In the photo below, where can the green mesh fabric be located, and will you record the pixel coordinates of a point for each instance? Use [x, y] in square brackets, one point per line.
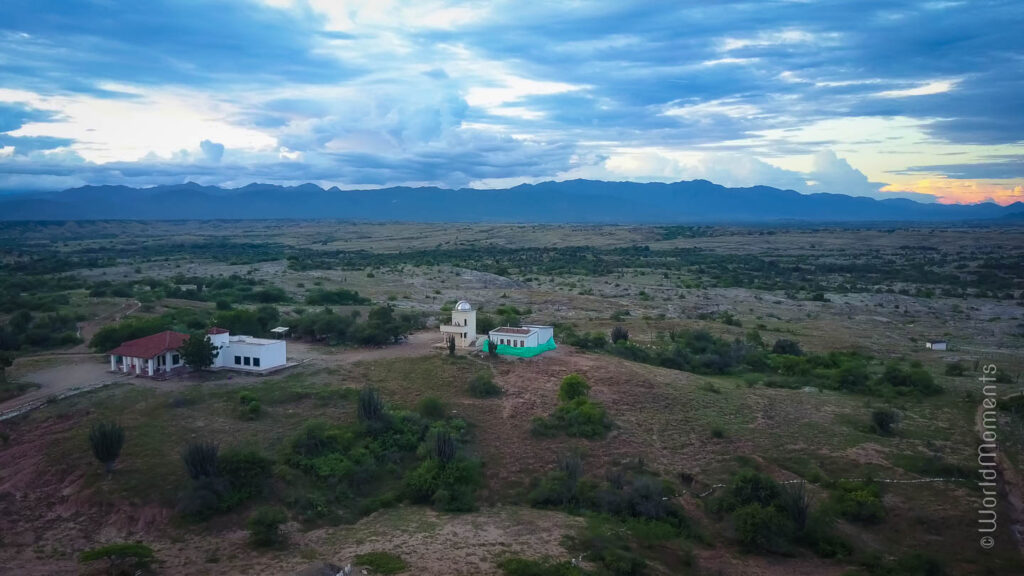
[525, 352]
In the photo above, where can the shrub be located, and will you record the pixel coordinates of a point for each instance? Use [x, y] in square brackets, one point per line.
[450, 487]
[246, 472]
[200, 460]
[482, 386]
[717, 432]
[884, 420]
[788, 347]
[123, 558]
[619, 333]
[858, 501]
[382, 562]
[431, 408]
[265, 527]
[203, 498]
[956, 369]
[762, 528]
[106, 440]
[573, 386]
[749, 487]
[582, 418]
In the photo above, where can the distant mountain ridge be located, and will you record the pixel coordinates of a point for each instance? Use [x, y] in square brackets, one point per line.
[572, 201]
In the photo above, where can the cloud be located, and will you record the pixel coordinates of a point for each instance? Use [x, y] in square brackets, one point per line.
[845, 97]
[212, 150]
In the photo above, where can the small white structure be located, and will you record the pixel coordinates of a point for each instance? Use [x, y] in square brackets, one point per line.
[247, 353]
[529, 336]
[463, 326]
[935, 344]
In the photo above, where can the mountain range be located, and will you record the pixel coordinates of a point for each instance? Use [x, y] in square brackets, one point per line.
[573, 201]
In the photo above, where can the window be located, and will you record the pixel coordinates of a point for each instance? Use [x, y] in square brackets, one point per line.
[256, 361]
[247, 360]
[238, 360]
[176, 359]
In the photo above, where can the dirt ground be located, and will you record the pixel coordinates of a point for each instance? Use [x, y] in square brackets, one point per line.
[64, 373]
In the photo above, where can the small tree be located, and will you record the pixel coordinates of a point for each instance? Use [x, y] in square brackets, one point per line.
[492, 349]
[573, 386]
[198, 351]
[106, 439]
[451, 345]
[619, 333]
[200, 460]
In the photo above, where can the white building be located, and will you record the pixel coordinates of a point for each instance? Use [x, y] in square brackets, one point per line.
[463, 326]
[529, 336]
[247, 353]
[935, 344]
[157, 354]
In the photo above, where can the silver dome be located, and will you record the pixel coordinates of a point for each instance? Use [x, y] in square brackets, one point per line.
[463, 306]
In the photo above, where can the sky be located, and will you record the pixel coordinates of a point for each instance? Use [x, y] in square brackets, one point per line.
[920, 100]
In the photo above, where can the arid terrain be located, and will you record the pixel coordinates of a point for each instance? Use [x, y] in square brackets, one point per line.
[872, 294]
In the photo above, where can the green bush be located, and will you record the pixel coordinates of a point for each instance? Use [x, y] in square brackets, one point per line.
[582, 418]
[762, 528]
[431, 408]
[382, 562]
[858, 501]
[482, 386]
[125, 558]
[246, 472]
[450, 487]
[265, 527]
[573, 386]
[956, 369]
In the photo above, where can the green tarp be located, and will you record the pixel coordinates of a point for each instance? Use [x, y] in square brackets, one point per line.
[525, 352]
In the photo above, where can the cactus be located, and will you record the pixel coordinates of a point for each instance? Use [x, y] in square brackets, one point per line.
[371, 407]
[200, 460]
[106, 439]
[444, 446]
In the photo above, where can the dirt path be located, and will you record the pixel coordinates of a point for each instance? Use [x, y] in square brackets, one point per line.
[73, 371]
[87, 329]
[1012, 486]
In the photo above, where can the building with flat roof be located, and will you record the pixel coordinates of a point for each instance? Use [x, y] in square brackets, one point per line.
[525, 340]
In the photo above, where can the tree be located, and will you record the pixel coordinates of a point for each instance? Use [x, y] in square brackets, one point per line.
[106, 439]
[451, 345]
[198, 351]
[573, 386]
[619, 333]
[492, 349]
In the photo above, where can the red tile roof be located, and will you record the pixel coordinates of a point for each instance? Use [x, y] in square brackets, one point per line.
[216, 330]
[151, 346]
[507, 330]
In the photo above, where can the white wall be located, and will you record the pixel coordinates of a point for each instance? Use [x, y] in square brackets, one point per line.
[270, 354]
